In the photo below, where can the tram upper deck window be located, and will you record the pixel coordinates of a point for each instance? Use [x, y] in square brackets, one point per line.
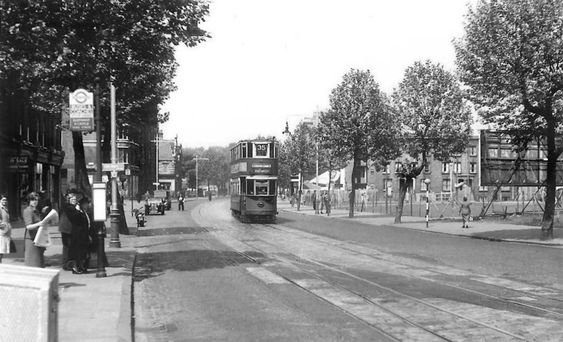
[243, 150]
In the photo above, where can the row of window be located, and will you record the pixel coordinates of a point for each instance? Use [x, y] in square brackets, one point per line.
[456, 167]
[446, 185]
[255, 187]
[249, 149]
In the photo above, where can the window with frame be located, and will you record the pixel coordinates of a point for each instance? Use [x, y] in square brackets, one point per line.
[506, 153]
[472, 167]
[398, 166]
[493, 152]
[387, 169]
[457, 167]
[446, 185]
[473, 151]
[445, 167]
[261, 187]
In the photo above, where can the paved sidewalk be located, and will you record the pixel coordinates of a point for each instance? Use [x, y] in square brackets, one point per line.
[484, 229]
[90, 308]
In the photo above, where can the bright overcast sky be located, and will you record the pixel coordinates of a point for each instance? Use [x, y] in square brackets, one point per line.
[269, 61]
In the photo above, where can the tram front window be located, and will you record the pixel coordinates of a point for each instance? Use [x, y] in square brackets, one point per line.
[261, 187]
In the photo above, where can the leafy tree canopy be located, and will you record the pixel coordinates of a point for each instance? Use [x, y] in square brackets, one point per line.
[46, 46]
[511, 57]
[434, 116]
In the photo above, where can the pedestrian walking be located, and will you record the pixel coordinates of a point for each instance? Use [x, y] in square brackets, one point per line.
[181, 203]
[465, 212]
[33, 255]
[5, 229]
[314, 200]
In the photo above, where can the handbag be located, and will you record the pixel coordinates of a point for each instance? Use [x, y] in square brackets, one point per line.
[13, 248]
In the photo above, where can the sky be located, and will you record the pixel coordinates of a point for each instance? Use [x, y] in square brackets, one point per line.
[272, 61]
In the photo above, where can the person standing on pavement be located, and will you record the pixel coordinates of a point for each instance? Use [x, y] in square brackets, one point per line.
[33, 255]
[5, 228]
[314, 200]
[70, 218]
[465, 212]
[181, 202]
[82, 236]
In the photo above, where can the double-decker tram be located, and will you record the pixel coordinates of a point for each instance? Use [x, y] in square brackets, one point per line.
[254, 180]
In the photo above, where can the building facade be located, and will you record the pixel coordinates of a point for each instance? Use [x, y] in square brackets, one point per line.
[31, 154]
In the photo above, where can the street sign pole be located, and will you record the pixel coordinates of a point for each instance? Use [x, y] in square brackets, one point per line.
[114, 213]
[101, 254]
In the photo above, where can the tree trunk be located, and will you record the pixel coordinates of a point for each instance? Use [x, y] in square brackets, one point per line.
[80, 173]
[547, 221]
[353, 192]
[299, 191]
[123, 228]
[403, 186]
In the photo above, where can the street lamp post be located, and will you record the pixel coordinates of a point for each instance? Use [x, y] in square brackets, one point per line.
[427, 182]
[114, 212]
[196, 175]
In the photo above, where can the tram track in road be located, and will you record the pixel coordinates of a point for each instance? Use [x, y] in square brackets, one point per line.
[389, 309]
[510, 291]
[397, 324]
[463, 322]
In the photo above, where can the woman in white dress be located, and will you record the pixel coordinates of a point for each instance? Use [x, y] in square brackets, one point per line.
[5, 227]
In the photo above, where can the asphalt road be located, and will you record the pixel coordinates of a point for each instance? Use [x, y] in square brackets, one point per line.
[200, 275]
[530, 263]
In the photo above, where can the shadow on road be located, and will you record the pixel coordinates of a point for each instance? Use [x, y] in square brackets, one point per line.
[153, 264]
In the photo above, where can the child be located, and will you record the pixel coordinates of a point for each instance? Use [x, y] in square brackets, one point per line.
[465, 211]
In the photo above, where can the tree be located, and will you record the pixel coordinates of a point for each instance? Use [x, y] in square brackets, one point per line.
[435, 121]
[47, 47]
[360, 125]
[217, 169]
[511, 58]
[298, 151]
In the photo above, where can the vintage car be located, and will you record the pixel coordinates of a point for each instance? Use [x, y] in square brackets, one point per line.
[154, 206]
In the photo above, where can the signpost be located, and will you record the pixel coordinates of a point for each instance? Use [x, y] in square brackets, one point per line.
[81, 110]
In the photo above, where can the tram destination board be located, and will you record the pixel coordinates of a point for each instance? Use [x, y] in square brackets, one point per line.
[501, 164]
[265, 167]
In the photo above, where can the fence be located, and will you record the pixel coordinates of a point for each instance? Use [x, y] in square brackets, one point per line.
[442, 204]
